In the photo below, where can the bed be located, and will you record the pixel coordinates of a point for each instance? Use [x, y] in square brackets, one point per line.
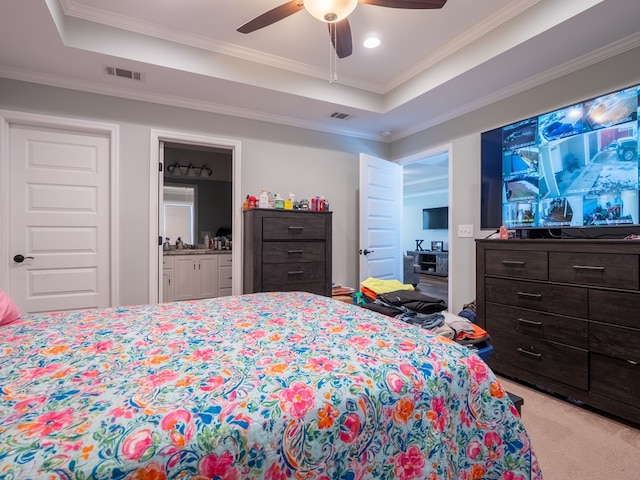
[261, 386]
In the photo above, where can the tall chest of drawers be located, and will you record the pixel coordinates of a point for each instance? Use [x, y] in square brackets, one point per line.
[286, 250]
[564, 315]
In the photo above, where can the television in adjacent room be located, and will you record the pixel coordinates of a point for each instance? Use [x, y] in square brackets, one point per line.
[574, 167]
[436, 218]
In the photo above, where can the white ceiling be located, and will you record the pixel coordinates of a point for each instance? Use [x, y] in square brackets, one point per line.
[433, 65]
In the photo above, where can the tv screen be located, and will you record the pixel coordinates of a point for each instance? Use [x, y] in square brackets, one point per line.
[435, 218]
[573, 167]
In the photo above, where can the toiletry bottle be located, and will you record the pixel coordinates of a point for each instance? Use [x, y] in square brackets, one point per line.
[264, 199]
[504, 233]
[206, 241]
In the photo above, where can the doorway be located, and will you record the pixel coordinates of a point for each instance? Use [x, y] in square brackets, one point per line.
[389, 225]
[179, 154]
[426, 186]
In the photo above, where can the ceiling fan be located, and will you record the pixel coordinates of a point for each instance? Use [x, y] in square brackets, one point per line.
[334, 13]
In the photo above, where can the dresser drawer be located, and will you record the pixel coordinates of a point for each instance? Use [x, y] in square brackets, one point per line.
[557, 328]
[319, 288]
[287, 252]
[543, 297]
[598, 269]
[517, 264]
[619, 342]
[291, 274]
[619, 308]
[550, 359]
[294, 227]
[623, 386]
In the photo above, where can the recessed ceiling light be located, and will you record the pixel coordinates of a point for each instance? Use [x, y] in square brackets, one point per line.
[371, 42]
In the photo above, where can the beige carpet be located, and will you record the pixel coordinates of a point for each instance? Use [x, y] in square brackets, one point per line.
[575, 443]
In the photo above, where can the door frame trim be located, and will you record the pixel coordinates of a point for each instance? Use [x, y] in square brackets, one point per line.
[112, 131]
[155, 254]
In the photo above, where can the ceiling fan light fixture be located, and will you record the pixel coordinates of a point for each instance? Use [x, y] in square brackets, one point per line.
[330, 11]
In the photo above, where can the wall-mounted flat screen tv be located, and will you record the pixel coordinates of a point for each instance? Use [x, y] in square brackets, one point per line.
[573, 167]
[435, 218]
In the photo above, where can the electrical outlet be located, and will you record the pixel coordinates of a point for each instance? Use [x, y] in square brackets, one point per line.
[465, 231]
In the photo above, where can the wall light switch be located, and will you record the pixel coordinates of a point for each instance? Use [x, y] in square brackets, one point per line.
[465, 231]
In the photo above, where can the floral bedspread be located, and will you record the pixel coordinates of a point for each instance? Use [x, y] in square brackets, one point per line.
[264, 386]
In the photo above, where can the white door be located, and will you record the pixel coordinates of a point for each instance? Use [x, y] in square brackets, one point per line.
[59, 215]
[380, 214]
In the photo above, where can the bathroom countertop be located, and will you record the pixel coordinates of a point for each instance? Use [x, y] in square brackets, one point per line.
[195, 251]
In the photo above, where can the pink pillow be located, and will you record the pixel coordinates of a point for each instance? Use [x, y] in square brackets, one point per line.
[9, 311]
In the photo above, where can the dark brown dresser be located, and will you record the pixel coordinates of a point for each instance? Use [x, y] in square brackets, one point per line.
[564, 315]
[286, 250]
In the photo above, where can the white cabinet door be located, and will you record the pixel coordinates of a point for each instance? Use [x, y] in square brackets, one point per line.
[167, 279]
[186, 276]
[167, 285]
[208, 270]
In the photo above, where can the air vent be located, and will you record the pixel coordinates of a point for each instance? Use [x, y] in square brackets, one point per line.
[123, 73]
[340, 116]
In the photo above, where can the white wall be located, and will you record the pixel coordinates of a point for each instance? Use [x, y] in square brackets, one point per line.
[412, 221]
[464, 135]
[281, 158]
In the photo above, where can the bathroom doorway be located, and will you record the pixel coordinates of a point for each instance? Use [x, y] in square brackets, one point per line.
[213, 165]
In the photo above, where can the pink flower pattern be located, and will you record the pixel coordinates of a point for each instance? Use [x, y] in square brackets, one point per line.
[275, 386]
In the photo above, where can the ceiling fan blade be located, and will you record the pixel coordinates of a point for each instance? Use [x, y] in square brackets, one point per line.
[340, 33]
[412, 4]
[272, 16]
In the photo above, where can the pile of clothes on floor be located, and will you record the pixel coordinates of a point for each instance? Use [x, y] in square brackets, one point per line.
[403, 302]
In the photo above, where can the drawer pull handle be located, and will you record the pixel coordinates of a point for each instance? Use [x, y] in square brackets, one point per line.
[588, 267]
[529, 295]
[531, 354]
[296, 228]
[529, 322]
[296, 272]
[295, 251]
[632, 362]
[513, 262]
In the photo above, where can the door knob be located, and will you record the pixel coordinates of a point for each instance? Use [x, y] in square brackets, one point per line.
[366, 252]
[20, 258]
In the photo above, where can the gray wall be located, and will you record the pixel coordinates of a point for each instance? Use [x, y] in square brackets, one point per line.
[285, 159]
[464, 134]
[282, 159]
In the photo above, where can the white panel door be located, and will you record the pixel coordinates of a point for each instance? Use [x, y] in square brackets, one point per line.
[380, 210]
[59, 217]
